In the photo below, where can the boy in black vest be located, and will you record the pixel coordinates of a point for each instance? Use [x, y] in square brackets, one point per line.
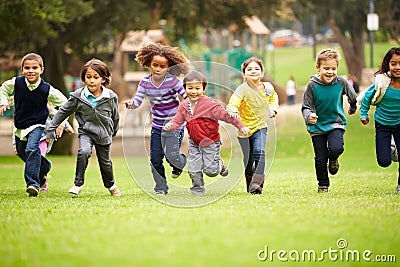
[31, 95]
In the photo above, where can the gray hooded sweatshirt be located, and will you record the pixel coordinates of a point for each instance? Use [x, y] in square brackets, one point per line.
[100, 122]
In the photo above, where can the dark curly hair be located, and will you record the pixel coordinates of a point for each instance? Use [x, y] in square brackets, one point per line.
[384, 68]
[100, 67]
[172, 54]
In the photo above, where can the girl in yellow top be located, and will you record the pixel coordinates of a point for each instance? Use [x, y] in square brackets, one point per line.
[250, 103]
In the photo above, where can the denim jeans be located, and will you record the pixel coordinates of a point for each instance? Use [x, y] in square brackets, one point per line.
[328, 146]
[86, 144]
[166, 144]
[383, 135]
[253, 152]
[36, 166]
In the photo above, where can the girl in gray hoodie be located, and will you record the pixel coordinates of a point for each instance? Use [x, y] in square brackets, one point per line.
[96, 110]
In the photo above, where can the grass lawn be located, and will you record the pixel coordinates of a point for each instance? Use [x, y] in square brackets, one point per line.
[95, 229]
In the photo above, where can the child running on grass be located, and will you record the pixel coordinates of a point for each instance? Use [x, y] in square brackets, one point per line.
[46, 145]
[96, 110]
[324, 116]
[202, 114]
[250, 103]
[31, 95]
[162, 88]
[385, 94]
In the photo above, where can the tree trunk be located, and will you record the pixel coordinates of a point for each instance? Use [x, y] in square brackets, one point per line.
[118, 84]
[53, 56]
[353, 50]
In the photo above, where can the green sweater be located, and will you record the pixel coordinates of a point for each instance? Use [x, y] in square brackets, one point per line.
[326, 100]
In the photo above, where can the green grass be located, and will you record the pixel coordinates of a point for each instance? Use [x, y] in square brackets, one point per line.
[96, 229]
[281, 63]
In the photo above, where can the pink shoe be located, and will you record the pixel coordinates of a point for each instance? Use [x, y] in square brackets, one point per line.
[44, 188]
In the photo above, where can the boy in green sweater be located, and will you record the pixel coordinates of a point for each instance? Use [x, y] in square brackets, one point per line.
[324, 116]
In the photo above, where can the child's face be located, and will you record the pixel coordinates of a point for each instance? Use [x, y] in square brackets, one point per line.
[394, 66]
[93, 81]
[32, 70]
[327, 70]
[158, 67]
[253, 72]
[194, 90]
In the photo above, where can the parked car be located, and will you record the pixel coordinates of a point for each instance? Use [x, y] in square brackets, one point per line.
[285, 37]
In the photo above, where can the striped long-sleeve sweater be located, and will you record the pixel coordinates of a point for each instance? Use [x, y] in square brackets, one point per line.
[164, 99]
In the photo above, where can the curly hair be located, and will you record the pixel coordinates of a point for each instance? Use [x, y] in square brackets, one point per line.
[98, 66]
[384, 68]
[172, 54]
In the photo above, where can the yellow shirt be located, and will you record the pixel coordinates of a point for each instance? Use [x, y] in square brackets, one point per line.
[252, 105]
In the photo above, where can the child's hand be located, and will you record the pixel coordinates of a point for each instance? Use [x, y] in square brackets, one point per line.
[168, 127]
[59, 131]
[364, 121]
[313, 118]
[273, 113]
[128, 103]
[234, 115]
[245, 131]
[3, 108]
[70, 131]
[50, 135]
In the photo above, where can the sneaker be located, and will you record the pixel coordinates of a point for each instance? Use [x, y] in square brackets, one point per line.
[44, 188]
[398, 189]
[75, 190]
[32, 191]
[224, 170]
[333, 166]
[115, 191]
[160, 193]
[175, 172]
[395, 155]
[322, 189]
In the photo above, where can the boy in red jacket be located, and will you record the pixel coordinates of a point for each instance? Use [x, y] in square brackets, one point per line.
[202, 114]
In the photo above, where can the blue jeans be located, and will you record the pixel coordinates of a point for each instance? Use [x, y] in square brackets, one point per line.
[166, 144]
[253, 152]
[86, 144]
[383, 135]
[36, 166]
[328, 146]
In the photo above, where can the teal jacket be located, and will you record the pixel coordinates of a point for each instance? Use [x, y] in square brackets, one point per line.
[326, 100]
[387, 111]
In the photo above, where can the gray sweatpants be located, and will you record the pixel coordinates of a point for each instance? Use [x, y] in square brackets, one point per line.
[203, 159]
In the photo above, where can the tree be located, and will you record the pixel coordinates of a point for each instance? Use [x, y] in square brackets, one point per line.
[62, 29]
[347, 19]
[389, 17]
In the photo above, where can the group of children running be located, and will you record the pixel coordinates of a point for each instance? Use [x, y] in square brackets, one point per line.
[176, 104]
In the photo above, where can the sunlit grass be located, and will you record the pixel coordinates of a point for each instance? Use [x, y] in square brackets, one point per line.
[95, 229]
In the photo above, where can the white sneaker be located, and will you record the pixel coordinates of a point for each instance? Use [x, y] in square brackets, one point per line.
[115, 191]
[32, 191]
[75, 190]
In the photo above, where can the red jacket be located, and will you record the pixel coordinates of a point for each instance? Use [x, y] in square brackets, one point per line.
[203, 126]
